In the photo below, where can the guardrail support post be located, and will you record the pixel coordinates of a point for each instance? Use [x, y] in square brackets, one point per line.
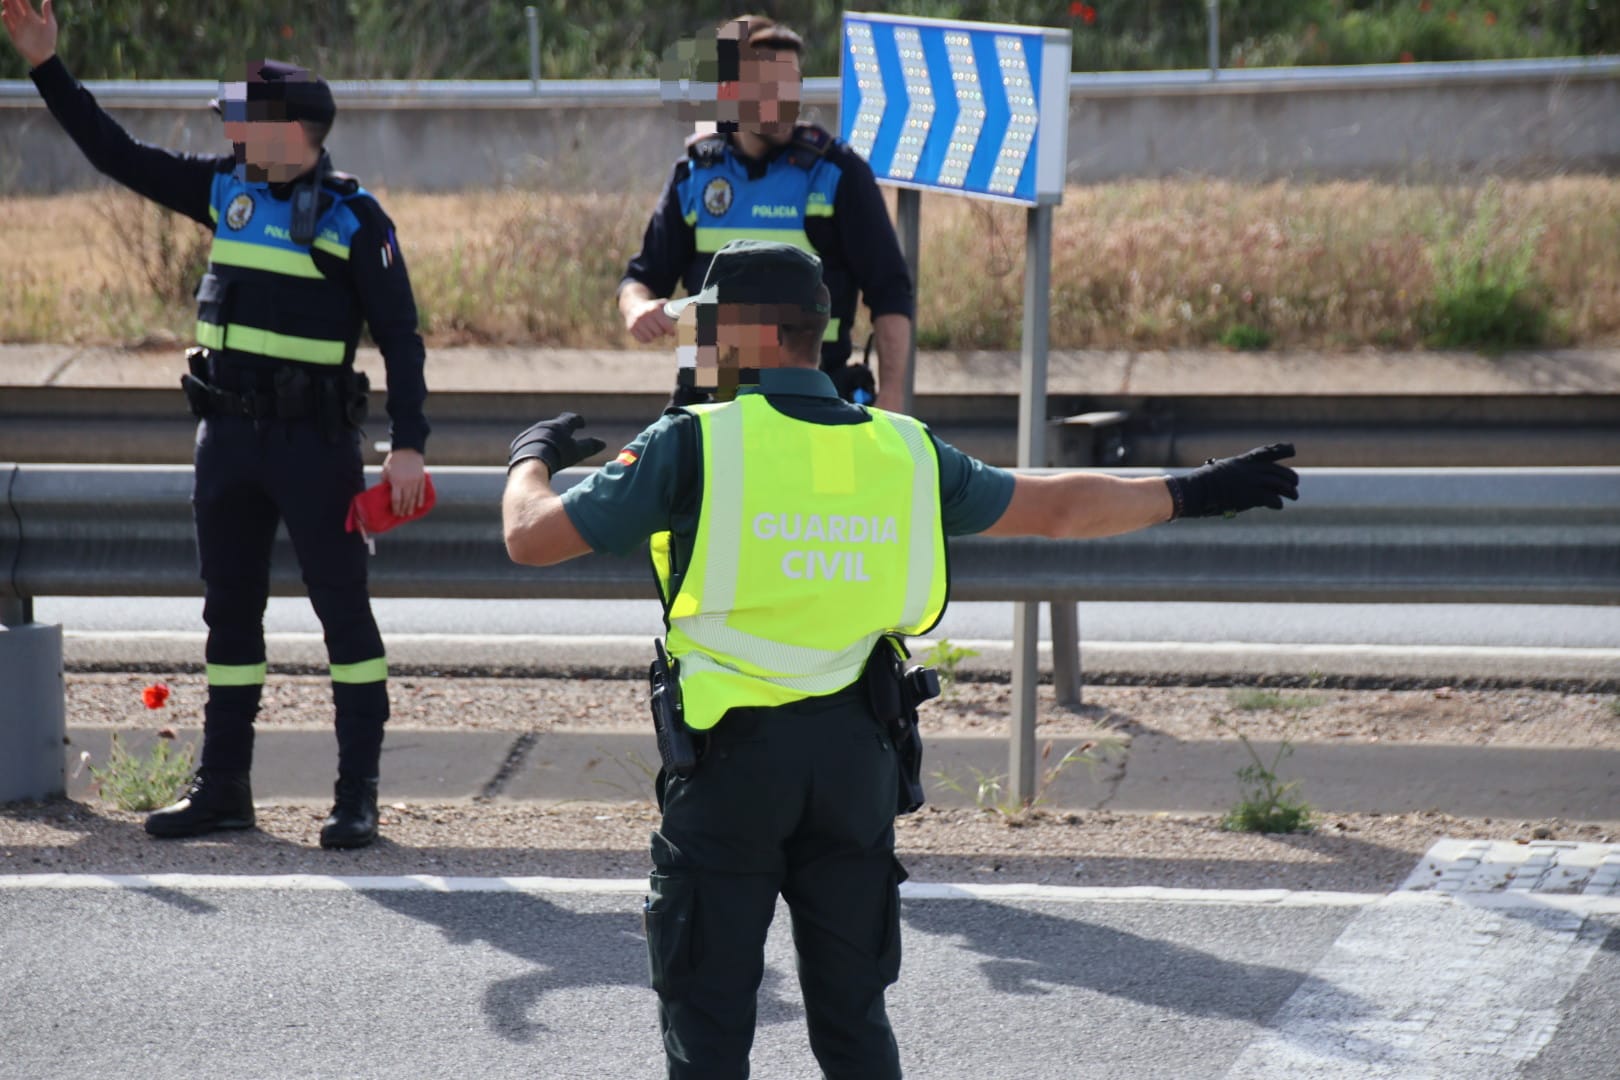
[1066, 651]
[908, 227]
[532, 15]
[1214, 38]
[33, 710]
[1031, 455]
[1026, 677]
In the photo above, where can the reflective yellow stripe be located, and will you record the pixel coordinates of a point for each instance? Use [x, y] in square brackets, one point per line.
[213, 214]
[366, 671]
[831, 333]
[268, 343]
[818, 210]
[261, 257]
[710, 240]
[236, 674]
[691, 219]
[332, 247]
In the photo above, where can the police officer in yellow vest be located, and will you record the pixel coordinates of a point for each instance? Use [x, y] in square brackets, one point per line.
[301, 255]
[791, 534]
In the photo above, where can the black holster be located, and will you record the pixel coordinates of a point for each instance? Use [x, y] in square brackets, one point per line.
[199, 399]
[677, 749]
[341, 402]
[895, 691]
[852, 379]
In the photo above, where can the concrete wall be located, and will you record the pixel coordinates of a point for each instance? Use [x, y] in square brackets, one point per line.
[1251, 131]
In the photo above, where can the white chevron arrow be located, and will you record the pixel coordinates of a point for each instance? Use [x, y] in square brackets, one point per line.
[920, 107]
[1020, 135]
[970, 109]
[869, 84]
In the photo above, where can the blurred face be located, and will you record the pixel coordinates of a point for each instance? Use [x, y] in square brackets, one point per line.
[765, 98]
[726, 345]
[274, 151]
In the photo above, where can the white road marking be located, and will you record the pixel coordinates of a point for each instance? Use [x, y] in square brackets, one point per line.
[1549, 867]
[1588, 905]
[619, 886]
[1463, 973]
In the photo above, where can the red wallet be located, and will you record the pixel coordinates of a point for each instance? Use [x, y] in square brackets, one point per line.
[372, 511]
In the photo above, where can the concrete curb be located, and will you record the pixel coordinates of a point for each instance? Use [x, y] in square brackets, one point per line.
[1148, 773]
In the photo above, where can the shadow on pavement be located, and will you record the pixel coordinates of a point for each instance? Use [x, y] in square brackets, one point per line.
[568, 949]
[1027, 953]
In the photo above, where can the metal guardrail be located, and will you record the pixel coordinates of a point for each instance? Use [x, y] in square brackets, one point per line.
[1373, 535]
[610, 93]
[1401, 536]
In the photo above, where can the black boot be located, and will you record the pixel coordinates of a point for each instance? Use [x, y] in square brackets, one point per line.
[353, 821]
[216, 799]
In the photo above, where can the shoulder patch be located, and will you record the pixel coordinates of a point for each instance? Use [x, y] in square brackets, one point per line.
[707, 149]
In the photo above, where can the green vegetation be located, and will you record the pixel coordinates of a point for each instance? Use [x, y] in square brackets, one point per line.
[1244, 336]
[475, 39]
[1486, 294]
[143, 781]
[990, 789]
[1266, 804]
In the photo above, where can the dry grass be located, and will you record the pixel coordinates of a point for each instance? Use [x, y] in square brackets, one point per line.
[1149, 264]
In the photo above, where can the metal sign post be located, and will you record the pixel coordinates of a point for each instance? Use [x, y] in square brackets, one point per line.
[979, 110]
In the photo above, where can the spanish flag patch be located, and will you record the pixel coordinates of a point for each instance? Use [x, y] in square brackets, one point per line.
[626, 457]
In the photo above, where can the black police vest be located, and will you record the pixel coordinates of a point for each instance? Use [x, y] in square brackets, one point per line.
[264, 295]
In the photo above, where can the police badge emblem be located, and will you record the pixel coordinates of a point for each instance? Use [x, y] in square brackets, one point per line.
[240, 212]
[717, 196]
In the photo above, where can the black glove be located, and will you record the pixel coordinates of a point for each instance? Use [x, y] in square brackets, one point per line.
[553, 442]
[1236, 483]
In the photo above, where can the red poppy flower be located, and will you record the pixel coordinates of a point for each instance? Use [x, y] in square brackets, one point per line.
[1406, 57]
[1426, 7]
[1490, 18]
[1084, 12]
[155, 696]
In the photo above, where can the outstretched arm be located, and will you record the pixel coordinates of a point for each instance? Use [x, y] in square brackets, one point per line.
[181, 182]
[1083, 505]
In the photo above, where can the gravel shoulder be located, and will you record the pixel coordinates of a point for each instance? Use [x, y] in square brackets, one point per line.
[1464, 717]
[1353, 852]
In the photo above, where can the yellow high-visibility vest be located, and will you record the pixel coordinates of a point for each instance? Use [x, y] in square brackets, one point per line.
[813, 541]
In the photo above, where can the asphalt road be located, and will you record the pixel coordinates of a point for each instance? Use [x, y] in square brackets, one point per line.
[270, 980]
[1525, 625]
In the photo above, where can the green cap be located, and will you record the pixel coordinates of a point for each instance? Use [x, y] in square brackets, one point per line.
[758, 272]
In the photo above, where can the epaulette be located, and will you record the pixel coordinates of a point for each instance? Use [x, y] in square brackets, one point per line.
[341, 182]
[708, 148]
[810, 142]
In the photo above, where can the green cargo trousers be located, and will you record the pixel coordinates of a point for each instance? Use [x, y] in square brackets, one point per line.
[796, 801]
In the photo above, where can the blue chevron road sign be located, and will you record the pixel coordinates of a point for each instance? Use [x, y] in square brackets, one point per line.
[978, 109]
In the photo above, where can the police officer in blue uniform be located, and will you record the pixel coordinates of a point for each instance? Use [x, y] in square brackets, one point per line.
[301, 256]
[792, 534]
[765, 176]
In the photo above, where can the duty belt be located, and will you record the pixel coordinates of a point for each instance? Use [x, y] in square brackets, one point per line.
[336, 400]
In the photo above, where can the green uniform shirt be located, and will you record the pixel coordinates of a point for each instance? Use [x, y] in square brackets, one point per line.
[656, 484]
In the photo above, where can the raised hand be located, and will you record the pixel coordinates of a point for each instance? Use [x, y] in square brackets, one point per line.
[34, 33]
